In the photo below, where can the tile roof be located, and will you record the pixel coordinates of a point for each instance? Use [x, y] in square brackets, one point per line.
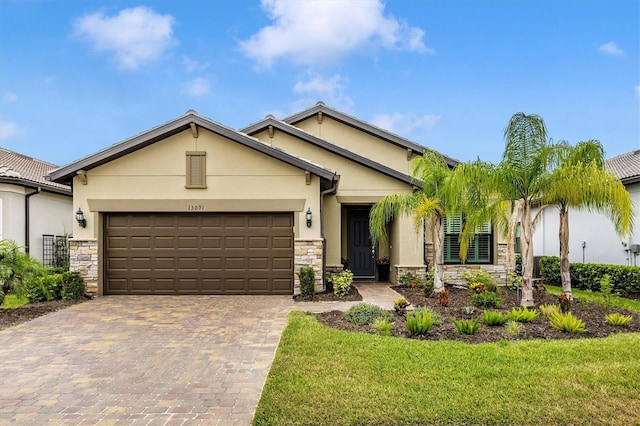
[28, 171]
[625, 166]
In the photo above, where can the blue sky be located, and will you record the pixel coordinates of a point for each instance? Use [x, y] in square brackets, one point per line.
[79, 75]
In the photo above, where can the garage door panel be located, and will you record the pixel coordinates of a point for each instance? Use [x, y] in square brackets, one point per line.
[167, 253]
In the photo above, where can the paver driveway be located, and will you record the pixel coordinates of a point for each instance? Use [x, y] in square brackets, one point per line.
[142, 360]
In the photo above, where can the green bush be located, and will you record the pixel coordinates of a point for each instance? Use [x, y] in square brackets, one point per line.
[479, 277]
[73, 286]
[617, 319]
[382, 326]
[486, 300]
[467, 326]
[1, 297]
[365, 314]
[521, 315]
[342, 282]
[567, 322]
[307, 281]
[587, 276]
[410, 279]
[419, 321]
[548, 309]
[16, 268]
[400, 304]
[493, 318]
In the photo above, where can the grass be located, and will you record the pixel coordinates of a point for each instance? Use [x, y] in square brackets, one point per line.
[323, 376]
[588, 295]
[13, 301]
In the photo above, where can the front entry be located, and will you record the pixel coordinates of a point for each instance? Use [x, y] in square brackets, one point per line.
[361, 254]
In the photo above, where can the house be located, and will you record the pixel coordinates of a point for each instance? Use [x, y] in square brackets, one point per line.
[195, 207]
[592, 237]
[34, 212]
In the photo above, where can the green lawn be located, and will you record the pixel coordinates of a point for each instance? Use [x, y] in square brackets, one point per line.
[323, 376]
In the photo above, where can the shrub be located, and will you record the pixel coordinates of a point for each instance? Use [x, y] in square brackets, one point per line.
[567, 323]
[73, 286]
[479, 277]
[436, 317]
[410, 279]
[617, 319]
[548, 309]
[43, 287]
[400, 303]
[443, 297]
[16, 268]
[382, 326]
[419, 321]
[477, 287]
[427, 282]
[493, 318]
[486, 300]
[512, 328]
[606, 289]
[565, 303]
[342, 282]
[365, 314]
[550, 269]
[515, 281]
[1, 297]
[467, 326]
[307, 281]
[521, 315]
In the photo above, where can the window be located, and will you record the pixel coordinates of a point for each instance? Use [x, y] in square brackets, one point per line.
[479, 250]
[196, 169]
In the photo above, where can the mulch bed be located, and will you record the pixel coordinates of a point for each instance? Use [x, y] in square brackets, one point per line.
[14, 316]
[591, 313]
[328, 296]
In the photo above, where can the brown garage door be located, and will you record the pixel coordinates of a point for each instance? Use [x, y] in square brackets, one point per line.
[198, 253]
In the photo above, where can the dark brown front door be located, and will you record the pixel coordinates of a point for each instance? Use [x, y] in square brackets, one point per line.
[361, 255]
[186, 253]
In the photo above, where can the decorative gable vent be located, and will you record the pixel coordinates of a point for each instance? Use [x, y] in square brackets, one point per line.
[196, 169]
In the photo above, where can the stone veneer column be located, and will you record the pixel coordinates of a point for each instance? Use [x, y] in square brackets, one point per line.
[83, 258]
[307, 252]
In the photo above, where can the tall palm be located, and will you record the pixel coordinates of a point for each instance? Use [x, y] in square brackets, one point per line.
[428, 205]
[522, 176]
[580, 181]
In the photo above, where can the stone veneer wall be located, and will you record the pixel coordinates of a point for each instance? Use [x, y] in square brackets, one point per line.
[498, 270]
[83, 258]
[400, 270]
[307, 253]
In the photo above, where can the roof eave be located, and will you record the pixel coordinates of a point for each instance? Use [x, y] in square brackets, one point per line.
[35, 185]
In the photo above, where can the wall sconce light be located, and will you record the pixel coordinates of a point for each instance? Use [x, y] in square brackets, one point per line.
[80, 218]
[308, 216]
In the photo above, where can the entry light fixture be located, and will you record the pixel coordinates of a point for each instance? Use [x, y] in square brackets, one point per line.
[80, 218]
[308, 215]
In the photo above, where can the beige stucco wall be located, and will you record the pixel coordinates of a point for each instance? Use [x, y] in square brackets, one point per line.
[238, 179]
[359, 142]
[50, 213]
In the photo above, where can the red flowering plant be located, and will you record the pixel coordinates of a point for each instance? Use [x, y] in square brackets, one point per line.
[443, 297]
[382, 261]
[565, 303]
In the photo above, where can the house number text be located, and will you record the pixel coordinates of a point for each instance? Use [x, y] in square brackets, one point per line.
[195, 207]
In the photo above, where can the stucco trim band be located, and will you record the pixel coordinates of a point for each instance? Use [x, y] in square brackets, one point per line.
[196, 205]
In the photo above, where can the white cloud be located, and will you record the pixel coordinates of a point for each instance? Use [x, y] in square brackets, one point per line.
[196, 87]
[7, 129]
[611, 48]
[404, 124]
[330, 90]
[637, 91]
[192, 65]
[134, 36]
[319, 32]
[9, 97]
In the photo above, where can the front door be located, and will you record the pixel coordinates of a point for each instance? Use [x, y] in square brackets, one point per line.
[361, 254]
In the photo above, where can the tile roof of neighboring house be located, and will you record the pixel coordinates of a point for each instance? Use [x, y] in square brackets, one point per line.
[27, 171]
[320, 107]
[625, 166]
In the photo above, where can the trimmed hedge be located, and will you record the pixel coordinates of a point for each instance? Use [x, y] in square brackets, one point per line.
[587, 276]
[307, 281]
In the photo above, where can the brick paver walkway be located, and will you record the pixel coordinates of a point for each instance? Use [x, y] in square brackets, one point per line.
[145, 360]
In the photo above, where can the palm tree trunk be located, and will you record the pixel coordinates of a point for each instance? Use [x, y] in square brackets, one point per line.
[564, 251]
[526, 231]
[438, 248]
[511, 237]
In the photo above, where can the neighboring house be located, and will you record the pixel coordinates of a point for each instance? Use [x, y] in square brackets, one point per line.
[592, 237]
[192, 206]
[34, 212]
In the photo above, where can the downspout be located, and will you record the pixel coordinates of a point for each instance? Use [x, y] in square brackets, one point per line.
[26, 218]
[329, 191]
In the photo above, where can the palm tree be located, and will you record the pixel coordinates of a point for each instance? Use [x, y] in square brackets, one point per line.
[521, 177]
[580, 181]
[428, 205]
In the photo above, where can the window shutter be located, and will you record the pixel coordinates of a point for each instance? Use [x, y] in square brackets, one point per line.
[196, 169]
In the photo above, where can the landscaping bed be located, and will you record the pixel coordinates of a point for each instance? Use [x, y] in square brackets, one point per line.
[13, 316]
[328, 296]
[460, 300]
